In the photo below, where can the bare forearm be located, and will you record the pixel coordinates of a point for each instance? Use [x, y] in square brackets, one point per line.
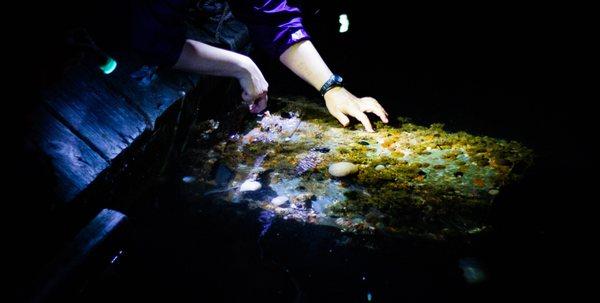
[303, 59]
[202, 58]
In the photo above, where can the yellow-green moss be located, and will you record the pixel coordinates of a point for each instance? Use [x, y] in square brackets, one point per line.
[419, 189]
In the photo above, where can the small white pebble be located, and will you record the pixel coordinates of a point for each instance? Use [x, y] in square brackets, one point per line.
[342, 169]
[279, 200]
[250, 185]
[380, 167]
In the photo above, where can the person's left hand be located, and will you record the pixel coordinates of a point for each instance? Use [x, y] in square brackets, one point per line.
[253, 84]
[340, 103]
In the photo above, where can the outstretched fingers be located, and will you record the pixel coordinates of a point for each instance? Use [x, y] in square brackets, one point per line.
[370, 105]
[336, 113]
[360, 116]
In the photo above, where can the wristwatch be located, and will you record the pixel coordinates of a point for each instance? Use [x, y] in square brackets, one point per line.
[334, 80]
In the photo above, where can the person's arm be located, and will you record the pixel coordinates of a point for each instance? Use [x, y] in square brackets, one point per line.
[158, 35]
[202, 58]
[303, 59]
[277, 27]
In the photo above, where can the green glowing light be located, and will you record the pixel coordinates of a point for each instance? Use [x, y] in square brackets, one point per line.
[109, 66]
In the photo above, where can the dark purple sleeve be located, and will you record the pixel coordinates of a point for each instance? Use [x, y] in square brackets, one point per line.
[274, 25]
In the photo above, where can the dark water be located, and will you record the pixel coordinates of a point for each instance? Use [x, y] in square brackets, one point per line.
[470, 71]
[456, 69]
[187, 248]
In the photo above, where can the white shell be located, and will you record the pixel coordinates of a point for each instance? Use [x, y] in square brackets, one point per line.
[341, 169]
[380, 167]
[279, 200]
[250, 185]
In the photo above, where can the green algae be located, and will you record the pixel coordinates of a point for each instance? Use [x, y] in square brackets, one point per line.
[406, 192]
[412, 179]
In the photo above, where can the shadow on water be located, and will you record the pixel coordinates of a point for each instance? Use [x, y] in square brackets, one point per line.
[187, 247]
[214, 252]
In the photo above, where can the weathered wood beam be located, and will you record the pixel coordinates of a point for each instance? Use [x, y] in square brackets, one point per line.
[84, 257]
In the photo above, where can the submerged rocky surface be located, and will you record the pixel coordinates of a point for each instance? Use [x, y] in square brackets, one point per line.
[298, 163]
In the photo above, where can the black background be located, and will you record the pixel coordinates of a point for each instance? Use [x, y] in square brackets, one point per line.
[490, 69]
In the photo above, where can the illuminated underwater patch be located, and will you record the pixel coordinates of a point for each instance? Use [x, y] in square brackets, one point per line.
[412, 180]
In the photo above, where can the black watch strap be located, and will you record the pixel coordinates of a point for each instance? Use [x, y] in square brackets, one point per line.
[334, 80]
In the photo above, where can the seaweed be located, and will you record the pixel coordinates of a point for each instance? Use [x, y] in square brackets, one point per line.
[412, 179]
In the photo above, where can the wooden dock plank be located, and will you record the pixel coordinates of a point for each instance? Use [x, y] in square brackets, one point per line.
[95, 112]
[153, 97]
[75, 164]
[88, 253]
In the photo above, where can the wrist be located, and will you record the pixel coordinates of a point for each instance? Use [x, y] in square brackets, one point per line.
[243, 67]
[322, 79]
[333, 92]
[333, 81]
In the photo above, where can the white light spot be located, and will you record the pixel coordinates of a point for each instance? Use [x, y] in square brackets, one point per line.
[188, 179]
[297, 35]
[344, 23]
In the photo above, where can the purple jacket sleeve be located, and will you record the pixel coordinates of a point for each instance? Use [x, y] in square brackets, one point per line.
[274, 25]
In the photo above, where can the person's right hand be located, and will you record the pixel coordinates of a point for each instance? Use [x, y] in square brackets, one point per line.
[341, 104]
[254, 86]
